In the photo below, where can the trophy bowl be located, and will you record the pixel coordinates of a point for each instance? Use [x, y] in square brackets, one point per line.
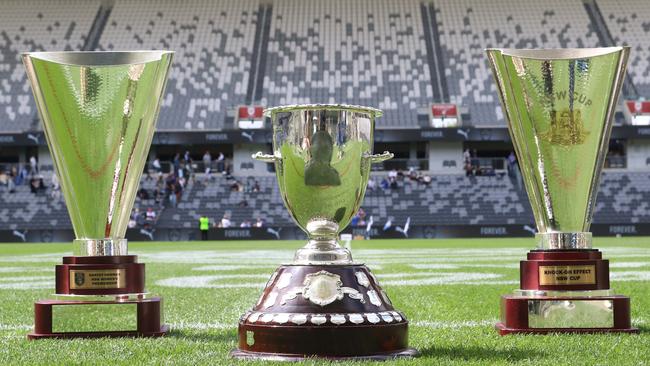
[99, 112]
[323, 304]
[559, 105]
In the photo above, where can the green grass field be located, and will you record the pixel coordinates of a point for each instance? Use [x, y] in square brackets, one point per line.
[449, 289]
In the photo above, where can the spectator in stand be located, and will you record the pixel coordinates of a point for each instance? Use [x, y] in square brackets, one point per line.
[177, 163]
[151, 215]
[204, 226]
[36, 184]
[413, 174]
[225, 221]
[221, 164]
[259, 222]
[56, 188]
[384, 184]
[392, 174]
[242, 203]
[156, 166]
[207, 164]
[33, 164]
[372, 184]
[256, 187]
[245, 224]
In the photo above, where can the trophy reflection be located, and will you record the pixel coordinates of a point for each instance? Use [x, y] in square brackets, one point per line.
[559, 105]
[323, 304]
[99, 112]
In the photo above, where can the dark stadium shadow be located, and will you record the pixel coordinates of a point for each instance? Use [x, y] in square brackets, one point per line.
[203, 335]
[474, 353]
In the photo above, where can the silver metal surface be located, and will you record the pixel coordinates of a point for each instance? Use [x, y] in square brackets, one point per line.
[553, 293]
[558, 240]
[322, 155]
[99, 247]
[94, 317]
[99, 111]
[559, 106]
[570, 313]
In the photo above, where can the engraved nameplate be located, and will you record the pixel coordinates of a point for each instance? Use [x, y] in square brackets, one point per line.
[90, 279]
[567, 275]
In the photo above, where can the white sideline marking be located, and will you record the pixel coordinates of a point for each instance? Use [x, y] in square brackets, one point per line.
[25, 269]
[459, 265]
[201, 326]
[630, 276]
[26, 282]
[628, 264]
[453, 324]
[205, 281]
[15, 327]
[35, 258]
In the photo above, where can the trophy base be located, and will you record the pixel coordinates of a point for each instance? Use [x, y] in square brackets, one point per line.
[565, 314]
[245, 355]
[118, 317]
[323, 311]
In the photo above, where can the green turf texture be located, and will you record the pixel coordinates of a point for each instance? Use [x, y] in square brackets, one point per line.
[450, 323]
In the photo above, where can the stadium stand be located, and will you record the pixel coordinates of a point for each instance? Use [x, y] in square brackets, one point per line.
[627, 23]
[448, 200]
[56, 25]
[213, 41]
[467, 27]
[358, 52]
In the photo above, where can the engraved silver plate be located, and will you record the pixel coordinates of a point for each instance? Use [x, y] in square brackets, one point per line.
[570, 313]
[387, 317]
[270, 299]
[318, 319]
[362, 279]
[284, 280]
[322, 288]
[386, 299]
[356, 318]
[337, 319]
[254, 317]
[374, 298]
[397, 316]
[267, 318]
[299, 319]
[372, 317]
[290, 296]
[281, 318]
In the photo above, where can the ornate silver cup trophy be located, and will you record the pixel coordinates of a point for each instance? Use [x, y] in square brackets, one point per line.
[323, 304]
[99, 111]
[559, 105]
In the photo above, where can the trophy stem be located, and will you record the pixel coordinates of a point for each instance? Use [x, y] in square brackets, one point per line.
[322, 251]
[99, 247]
[563, 240]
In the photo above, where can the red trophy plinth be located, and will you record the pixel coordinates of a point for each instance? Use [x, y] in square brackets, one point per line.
[99, 296]
[564, 291]
[334, 311]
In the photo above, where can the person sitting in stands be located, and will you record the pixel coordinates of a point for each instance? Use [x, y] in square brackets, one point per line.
[318, 171]
[259, 222]
[151, 214]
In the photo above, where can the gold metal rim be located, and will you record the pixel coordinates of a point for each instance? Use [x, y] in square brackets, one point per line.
[99, 58]
[557, 53]
[348, 107]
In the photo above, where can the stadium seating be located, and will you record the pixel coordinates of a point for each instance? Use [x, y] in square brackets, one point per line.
[213, 41]
[467, 27]
[369, 52]
[628, 24]
[55, 25]
[448, 200]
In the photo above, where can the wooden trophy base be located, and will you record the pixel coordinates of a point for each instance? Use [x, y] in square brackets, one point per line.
[564, 291]
[323, 311]
[99, 296]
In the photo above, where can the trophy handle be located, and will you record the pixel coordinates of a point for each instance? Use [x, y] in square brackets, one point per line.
[267, 158]
[378, 158]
